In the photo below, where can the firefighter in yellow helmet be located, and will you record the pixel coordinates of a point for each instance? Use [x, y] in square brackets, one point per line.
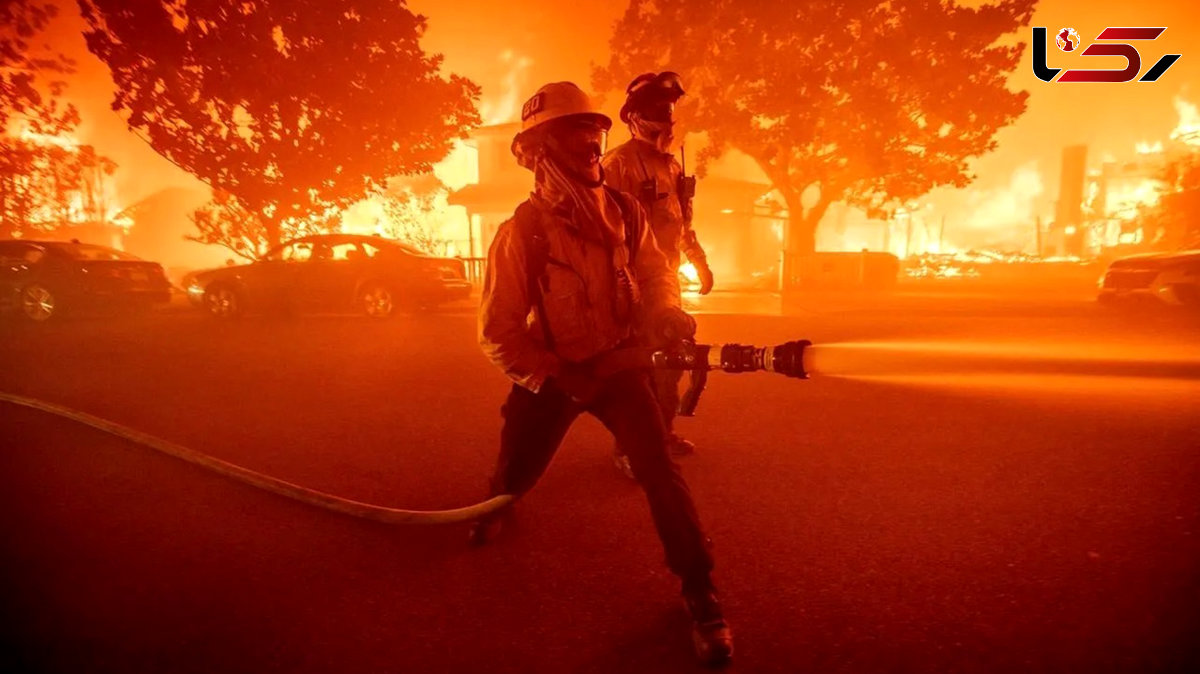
[646, 167]
[571, 277]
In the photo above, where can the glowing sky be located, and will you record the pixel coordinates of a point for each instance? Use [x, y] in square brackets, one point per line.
[510, 48]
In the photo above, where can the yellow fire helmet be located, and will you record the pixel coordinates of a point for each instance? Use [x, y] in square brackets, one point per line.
[555, 101]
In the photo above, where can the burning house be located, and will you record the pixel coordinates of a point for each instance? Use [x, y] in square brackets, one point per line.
[498, 187]
[51, 186]
[741, 229]
[1113, 206]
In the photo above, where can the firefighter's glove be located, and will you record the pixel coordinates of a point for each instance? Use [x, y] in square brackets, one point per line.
[705, 274]
[669, 326]
[577, 381]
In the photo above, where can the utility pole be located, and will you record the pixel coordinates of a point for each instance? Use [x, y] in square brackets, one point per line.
[908, 218]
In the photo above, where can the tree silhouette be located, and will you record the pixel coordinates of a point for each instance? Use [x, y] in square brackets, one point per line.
[408, 207]
[224, 221]
[23, 63]
[47, 180]
[293, 107]
[862, 101]
[49, 184]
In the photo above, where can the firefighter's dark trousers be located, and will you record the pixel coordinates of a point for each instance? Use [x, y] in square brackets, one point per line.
[666, 389]
[535, 424]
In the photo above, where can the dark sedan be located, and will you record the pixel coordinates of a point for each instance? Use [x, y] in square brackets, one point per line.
[1167, 278]
[40, 280]
[332, 273]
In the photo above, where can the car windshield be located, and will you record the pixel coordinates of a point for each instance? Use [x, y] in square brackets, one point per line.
[373, 248]
[90, 252]
[296, 251]
[20, 253]
[409, 249]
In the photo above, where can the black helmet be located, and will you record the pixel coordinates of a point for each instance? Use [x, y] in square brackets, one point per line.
[649, 91]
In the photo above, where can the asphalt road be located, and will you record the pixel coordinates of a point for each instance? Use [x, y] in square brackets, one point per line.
[938, 519]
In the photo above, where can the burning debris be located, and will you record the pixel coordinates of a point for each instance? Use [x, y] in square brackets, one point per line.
[975, 264]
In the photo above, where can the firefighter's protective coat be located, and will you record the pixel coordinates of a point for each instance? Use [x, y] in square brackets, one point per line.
[640, 169]
[579, 294]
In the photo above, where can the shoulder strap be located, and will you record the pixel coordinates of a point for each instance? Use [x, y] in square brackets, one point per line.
[528, 223]
[628, 208]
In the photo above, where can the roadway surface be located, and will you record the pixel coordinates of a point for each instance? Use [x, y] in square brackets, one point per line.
[926, 521]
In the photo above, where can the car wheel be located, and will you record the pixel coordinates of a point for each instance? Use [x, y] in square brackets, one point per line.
[377, 300]
[38, 303]
[1189, 295]
[222, 301]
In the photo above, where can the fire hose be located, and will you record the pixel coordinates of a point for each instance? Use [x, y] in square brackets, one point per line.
[786, 359]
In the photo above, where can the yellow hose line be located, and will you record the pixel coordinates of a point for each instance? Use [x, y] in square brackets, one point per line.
[266, 482]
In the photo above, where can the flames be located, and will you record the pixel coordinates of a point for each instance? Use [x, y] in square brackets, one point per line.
[506, 106]
[64, 141]
[1149, 148]
[689, 279]
[448, 225]
[431, 224]
[1188, 129]
[1126, 197]
[1007, 215]
[1116, 195]
[93, 198]
[1185, 133]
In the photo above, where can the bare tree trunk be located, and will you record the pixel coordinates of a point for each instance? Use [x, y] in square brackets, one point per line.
[274, 234]
[7, 216]
[802, 225]
[272, 228]
[799, 239]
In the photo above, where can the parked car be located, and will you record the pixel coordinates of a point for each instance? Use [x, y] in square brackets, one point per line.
[40, 280]
[1170, 278]
[332, 273]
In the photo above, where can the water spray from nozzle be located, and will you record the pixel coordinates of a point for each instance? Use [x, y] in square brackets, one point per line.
[934, 359]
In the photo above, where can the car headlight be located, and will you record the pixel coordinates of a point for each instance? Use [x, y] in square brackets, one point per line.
[195, 289]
